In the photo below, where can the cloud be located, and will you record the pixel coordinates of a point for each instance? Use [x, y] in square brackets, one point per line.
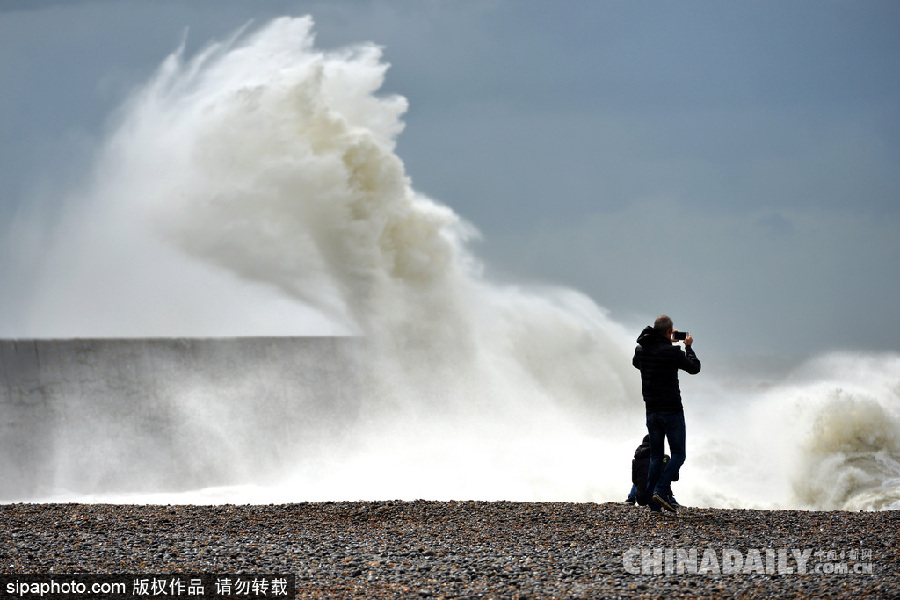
[780, 282]
[561, 134]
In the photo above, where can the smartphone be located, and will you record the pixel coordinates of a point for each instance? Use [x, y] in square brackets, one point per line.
[680, 335]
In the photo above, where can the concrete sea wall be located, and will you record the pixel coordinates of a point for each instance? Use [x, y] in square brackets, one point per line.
[136, 415]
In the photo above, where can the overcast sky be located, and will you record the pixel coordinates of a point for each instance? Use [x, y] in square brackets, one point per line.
[733, 164]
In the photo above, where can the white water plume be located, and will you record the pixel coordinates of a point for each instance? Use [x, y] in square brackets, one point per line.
[271, 163]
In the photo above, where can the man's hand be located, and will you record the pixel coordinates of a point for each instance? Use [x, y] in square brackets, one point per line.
[688, 340]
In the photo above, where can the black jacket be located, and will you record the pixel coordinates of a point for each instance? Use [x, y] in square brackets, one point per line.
[659, 361]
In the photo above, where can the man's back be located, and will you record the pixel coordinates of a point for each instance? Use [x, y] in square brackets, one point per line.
[659, 362]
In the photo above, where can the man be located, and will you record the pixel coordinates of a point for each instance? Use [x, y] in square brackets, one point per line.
[659, 362]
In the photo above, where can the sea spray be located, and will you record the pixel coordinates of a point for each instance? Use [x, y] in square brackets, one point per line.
[849, 457]
[271, 162]
[254, 188]
[822, 436]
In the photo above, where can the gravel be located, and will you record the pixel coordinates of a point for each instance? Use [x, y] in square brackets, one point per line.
[469, 549]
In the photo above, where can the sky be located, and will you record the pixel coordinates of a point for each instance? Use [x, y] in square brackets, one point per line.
[735, 165]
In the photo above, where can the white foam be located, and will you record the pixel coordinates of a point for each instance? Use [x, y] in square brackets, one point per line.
[254, 189]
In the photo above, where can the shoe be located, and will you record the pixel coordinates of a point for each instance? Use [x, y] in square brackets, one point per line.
[674, 502]
[664, 502]
[629, 501]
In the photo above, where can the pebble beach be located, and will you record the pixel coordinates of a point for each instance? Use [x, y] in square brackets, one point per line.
[451, 549]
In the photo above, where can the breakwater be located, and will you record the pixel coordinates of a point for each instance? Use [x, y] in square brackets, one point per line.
[90, 416]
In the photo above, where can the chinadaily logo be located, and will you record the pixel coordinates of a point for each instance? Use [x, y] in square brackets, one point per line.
[731, 561]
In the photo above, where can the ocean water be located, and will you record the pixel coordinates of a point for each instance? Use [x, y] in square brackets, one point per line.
[254, 188]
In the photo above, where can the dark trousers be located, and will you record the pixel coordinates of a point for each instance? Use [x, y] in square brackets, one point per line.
[664, 426]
